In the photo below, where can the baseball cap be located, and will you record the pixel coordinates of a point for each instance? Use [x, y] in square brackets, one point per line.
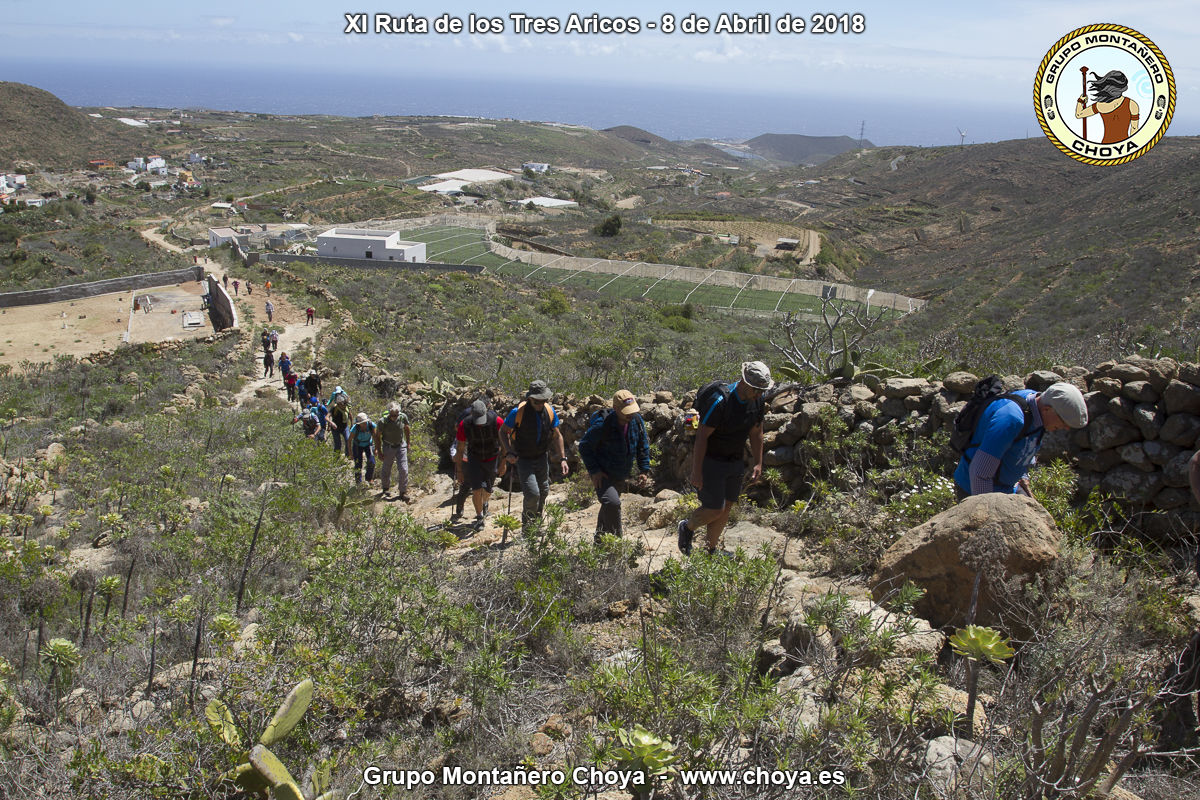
[757, 375]
[625, 404]
[1067, 401]
[479, 413]
[362, 417]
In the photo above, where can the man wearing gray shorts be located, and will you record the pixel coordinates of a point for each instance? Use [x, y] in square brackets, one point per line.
[730, 416]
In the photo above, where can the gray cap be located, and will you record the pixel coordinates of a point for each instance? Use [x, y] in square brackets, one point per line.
[1067, 401]
[393, 408]
[539, 390]
[479, 414]
[756, 374]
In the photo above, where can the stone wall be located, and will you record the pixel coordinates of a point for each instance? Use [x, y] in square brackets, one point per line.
[1144, 426]
[220, 307]
[76, 291]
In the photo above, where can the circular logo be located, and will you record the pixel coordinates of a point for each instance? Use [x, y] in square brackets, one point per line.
[1104, 94]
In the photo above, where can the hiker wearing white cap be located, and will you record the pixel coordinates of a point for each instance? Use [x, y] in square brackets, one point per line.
[1005, 440]
[478, 447]
[730, 416]
[392, 436]
[362, 441]
[614, 441]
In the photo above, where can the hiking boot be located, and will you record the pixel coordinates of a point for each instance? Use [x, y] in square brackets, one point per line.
[685, 538]
[479, 523]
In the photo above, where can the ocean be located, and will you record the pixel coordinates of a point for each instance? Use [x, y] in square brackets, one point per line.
[670, 112]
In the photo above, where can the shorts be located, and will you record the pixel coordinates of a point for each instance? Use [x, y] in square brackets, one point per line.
[722, 482]
[481, 474]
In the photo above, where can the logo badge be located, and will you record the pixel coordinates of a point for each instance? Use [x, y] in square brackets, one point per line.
[1104, 94]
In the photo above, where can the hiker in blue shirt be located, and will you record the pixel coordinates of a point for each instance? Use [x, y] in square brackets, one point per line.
[530, 431]
[362, 442]
[730, 416]
[613, 441]
[1004, 446]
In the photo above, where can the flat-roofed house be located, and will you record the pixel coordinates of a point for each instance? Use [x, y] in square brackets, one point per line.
[367, 243]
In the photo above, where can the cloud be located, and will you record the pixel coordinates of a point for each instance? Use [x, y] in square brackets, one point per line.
[295, 37]
[729, 52]
[221, 22]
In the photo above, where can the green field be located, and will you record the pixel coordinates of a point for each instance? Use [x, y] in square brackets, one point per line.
[454, 245]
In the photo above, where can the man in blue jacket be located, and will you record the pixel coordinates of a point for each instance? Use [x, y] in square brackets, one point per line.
[1008, 435]
[614, 439]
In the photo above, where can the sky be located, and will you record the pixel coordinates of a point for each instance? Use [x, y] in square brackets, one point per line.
[916, 59]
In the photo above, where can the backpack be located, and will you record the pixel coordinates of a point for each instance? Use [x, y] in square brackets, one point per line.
[985, 393]
[333, 398]
[708, 394]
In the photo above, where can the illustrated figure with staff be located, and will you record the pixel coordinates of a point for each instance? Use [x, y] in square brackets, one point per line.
[1120, 113]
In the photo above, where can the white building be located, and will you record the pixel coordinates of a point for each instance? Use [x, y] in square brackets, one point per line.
[220, 236]
[536, 166]
[365, 243]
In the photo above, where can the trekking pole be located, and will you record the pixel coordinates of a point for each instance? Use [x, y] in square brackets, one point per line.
[1083, 80]
[504, 537]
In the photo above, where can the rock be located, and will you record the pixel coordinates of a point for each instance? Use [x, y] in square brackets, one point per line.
[911, 636]
[1175, 471]
[1132, 484]
[659, 515]
[1160, 452]
[1135, 455]
[666, 494]
[1121, 408]
[778, 456]
[557, 727]
[929, 555]
[246, 639]
[1149, 420]
[1180, 429]
[807, 644]
[1041, 380]
[774, 422]
[1098, 461]
[1160, 370]
[1109, 387]
[663, 396]
[1170, 498]
[961, 382]
[1126, 373]
[541, 745]
[958, 767]
[904, 387]
[1140, 392]
[1106, 431]
[82, 707]
[771, 659]
[858, 391]
[1181, 398]
[1190, 373]
[1012, 383]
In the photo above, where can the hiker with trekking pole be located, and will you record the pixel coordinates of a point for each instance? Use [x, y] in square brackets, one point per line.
[531, 431]
[478, 456]
[613, 444]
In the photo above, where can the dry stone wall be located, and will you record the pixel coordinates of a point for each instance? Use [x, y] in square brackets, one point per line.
[1144, 426]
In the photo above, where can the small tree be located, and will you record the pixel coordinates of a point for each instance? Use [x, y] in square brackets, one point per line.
[609, 226]
[816, 350]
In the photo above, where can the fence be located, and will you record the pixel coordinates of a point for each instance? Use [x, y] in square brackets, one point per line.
[285, 258]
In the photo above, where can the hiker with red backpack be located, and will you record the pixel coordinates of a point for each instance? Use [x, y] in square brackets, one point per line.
[614, 440]
[999, 433]
[730, 416]
[531, 431]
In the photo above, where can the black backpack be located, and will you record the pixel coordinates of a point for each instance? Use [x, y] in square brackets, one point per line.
[985, 393]
[707, 395]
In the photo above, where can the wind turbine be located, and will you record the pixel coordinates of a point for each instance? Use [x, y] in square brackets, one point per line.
[962, 135]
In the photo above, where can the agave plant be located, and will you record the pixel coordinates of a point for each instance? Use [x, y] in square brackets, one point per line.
[644, 752]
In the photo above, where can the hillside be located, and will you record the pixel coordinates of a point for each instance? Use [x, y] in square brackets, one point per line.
[794, 148]
[38, 128]
[1014, 240]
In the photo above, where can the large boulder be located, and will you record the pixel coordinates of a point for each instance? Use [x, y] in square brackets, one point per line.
[928, 555]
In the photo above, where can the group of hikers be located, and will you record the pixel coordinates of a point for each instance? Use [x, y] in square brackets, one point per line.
[997, 433]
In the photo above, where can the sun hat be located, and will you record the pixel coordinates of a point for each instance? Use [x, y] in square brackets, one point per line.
[757, 375]
[539, 390]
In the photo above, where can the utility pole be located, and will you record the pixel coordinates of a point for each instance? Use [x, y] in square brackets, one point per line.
[862, 129]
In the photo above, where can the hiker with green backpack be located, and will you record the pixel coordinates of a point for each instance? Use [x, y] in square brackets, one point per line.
[614, 440]
[530, 432]
[730, 416]
[999, 433]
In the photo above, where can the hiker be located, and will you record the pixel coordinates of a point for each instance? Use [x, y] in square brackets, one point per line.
[530, 431]
[461, 489]
[236, 284]
[302, 392]
[392, 436]
[266, 339]
[614, 440]
[479, 446]
[225, 280]
[309, 313]
[289, 381]
[730, 416]
[309, 423]
[249, 288]
[269, 307]
[312, 382]
[274, 340]
[1005, 438]
[338, 395]
[285, 364]
[339, 417]
[362, 440]
[322, 413]
[268, 285]
[268, 364]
